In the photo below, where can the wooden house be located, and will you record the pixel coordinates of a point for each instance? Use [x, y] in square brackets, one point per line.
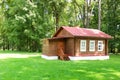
[77, 43]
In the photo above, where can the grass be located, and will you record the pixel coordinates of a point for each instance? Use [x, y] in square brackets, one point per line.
[36, 68]
[16, 52]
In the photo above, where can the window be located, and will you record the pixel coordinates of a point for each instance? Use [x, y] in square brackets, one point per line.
[83, 45]
[100, 46]
[92, 45]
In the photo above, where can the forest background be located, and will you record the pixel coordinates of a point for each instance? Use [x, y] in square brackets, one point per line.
[24, 23]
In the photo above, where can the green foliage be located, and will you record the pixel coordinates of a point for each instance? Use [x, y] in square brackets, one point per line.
[23, 23]
[112, 22]
[26, 25]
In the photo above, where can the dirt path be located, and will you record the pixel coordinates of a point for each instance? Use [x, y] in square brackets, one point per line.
[13, 55]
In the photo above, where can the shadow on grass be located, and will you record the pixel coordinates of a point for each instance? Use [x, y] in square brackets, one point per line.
[101, 74]
[36, 68]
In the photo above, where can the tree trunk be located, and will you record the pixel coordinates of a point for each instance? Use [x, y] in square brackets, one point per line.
[87, 16]
[3, 44]
[57, 20]
[84, 14]
[99, 14]
[8, 45]
[55, 14]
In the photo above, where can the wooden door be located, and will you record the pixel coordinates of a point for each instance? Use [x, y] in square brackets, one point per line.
[61, 45]
[61, 51]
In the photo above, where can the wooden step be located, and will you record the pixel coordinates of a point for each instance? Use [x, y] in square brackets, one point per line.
[61, 55]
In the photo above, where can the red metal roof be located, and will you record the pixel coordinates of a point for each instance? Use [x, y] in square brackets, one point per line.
[85, 32]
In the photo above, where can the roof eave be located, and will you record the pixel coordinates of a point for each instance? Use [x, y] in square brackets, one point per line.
[56, 38]
[94, 37]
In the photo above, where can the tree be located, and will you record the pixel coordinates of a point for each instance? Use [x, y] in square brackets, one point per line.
[24, 23]
[99, 14]
[113, 16]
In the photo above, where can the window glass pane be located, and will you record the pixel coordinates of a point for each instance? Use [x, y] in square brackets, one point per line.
[100, 45]
[92, 45]
[83, 45]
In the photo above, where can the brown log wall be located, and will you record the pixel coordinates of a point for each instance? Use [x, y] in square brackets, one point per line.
[54, 45]
[71, 46]
[90, 53]
[45, 46]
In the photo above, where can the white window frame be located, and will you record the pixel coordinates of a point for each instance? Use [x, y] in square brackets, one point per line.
[92, 45]
[100, 45]
[83, 45]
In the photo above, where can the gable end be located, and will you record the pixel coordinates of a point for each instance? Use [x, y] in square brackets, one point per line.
[62, 33]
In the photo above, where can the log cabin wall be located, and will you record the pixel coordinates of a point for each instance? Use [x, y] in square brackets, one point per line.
[106, 47]
[72, 47]
[45, 46]
[87, 52]
[66, 44]
[54, 45]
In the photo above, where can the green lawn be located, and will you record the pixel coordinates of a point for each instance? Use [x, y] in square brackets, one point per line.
[36, 68]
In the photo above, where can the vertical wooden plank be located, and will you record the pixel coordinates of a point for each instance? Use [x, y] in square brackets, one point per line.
[74, 46]
[106, 47]
[96, 46]
[77, 47]
[87, 49]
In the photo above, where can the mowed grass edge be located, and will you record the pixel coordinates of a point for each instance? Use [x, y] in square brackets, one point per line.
[36, 68]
